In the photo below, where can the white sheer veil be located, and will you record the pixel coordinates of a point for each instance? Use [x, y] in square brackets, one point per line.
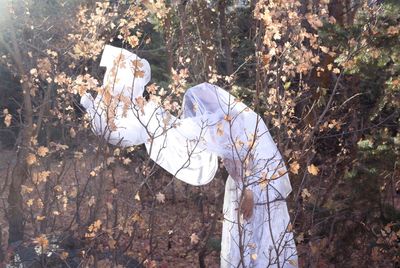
[238, 135]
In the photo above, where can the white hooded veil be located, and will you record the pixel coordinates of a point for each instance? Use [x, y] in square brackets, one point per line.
[145, 124]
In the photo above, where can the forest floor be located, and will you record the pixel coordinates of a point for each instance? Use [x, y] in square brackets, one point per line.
[178, 224]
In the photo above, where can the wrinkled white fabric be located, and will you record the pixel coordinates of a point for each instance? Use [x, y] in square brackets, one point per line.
[126, 73]
[213, 124]
[235, 131]
[264, 237]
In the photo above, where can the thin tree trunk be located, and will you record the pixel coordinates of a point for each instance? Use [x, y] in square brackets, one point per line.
[225, 41]
[168, 41]
[205, 28]
[20, 171]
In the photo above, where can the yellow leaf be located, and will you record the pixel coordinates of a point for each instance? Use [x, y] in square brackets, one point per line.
[42, 151]
[139, 74]
[72, 132]
[42, 241]
[29, 203]
[117, 151]
[114, 191]
[40, 218]
[126, 161]
[30, 159]
[38, 177]
[26, 189]
[305, 193]
[92, 201]
[294, 167]
[137, 196]
[133, 40]
[220, 130]
[64, 255]
[160, 197]
[300, 238]
[254, 256]
[7, 120]
[324, 49]
[228, 117]
[313, 170]
[97, 224]
[137, 64]
[194, 239]
[33, 72]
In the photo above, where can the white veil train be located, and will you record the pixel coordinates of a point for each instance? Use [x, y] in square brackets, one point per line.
[213, 125]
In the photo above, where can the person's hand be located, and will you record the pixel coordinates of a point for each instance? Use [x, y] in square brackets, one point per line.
[247, 205]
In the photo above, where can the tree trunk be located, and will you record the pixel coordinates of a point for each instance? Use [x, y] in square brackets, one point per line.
[205, 28]
[225, 41]
[20, 171]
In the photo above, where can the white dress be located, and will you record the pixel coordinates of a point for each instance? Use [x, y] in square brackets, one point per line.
[213, 125]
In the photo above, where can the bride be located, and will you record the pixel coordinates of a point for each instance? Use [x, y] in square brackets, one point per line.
[256, 228]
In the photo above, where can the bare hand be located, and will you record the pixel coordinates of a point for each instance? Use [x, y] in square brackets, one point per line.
[247, 205]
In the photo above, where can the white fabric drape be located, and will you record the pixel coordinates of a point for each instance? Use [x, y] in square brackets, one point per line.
[213, 124]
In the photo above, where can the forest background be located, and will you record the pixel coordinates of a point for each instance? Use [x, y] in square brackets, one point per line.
[324, 74]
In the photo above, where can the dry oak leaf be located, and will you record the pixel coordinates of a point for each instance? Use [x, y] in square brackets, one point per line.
[313, 170]
[305, 193]
[136, 68]
[138, 74]
[7, 120]
[126, 161]
[42, 151]
[95, 226]
[38, 177]
[194, 239]
[30, 159]
[114, 191]
[42, 241]
[137, 64]
[160, 197]
[40, 218]
[294, 167]
[137, 196]
[64, 255]
[29, 203]
[220, 129]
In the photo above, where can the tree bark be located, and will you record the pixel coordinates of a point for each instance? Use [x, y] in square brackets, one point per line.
[205, 27]
[225, 41]
[20, 171]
